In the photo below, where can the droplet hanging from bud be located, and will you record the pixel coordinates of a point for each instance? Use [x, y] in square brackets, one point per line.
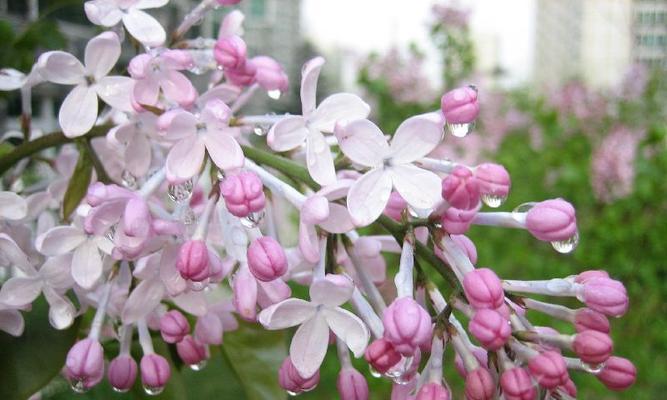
[253, 219]
[274, 94]
[153, 391]
[78, 386]
[493, 200]
[198, 366]
[181, 192]
[129, 180]
[566, 246]
[459, 130]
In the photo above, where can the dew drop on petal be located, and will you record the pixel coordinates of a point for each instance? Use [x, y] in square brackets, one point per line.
[199, 366]
[119, 390]
[78, 386]
[253, 219]
[274, 94]
[519, 213]
[493, 200]
[129, 180]
[459, 130]
[373, 372]
[181, 192]
[153, 391]
[593, 368]
[293, 394]
[566, 246]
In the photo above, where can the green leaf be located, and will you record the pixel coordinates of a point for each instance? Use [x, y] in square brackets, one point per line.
[29, 362]
[255, 355]
[78, 184]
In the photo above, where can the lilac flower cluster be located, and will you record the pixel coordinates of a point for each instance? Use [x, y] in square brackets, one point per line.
[187, 240]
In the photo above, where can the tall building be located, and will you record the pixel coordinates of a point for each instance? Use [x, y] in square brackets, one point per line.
[650, 32]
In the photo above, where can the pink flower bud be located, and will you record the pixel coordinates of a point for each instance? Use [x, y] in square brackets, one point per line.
[587, 319]
[208, 329]
[243, 76]
[517, 385]
[593, 347]
[480, 354]
[570, 388]
[136, 218]
[547, 331]
[493, 179]
[605, 295]
[460, 189]
[230, 52]
[480, 385]
[191, 351]
[460, 105]
[352, 385]
[586, 275]
[174, 326]
[122, 373]
[395, 206]
[290, 380]
[99, 193]
[84, 365]
[315, 210]
[243, 194]
[618, 373]
[192, 260]
[490, 329]
[381, 355]
[270, 75]
[155, 372]
[407, 325]
[549, 369]
[266, 259]
[456, 221]
[483, 289]
[552, 220]
[245, 294]
[467, 246]
[433, 391]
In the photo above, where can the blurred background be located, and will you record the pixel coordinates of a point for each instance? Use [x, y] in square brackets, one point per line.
[573, 102]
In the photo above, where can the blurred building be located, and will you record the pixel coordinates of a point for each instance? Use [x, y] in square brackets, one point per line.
[597, 40]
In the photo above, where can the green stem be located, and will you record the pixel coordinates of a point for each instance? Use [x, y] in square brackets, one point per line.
[287, 167]
[102, 175]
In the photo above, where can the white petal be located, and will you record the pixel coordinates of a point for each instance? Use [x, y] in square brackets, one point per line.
[103, 12]
[144, 28]
[101, 54]
[324, 291]
[362, 142]
[192, 302]
[86, 264]
[116, 91]
[233, 233]
[309, 345]
[287, 134]
[185, 158]
[420, 188]
[339, 220]
[11, 79]
[61, 311]
[224, 92]
[37, 204]
[11, 254]
[224, 150]
[59, 240]
[339, 107]
[309, 245]
[309, 76]
[143, 4]
[349, 328]
[56, 272]
[60, 67]
[369, 196]
[143, 299]
[20, 291]
[287, 313]
[415, 137]
[319, 159]
[11, 321]
[12, 206]
[171, 278]
[79, 111]
[138, 155]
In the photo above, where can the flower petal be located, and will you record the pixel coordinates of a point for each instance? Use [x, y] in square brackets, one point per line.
[12, 255]
[61, 311]
[61, 67]
[349, 328]
[420, 188]
[192, 302]
[59, 240]
[143, 299]
[116, 91]
[287, 134]
[56, 272]
[309, 76]
[362, 142]
[309, 245]
[144, 28]
[103, 12]
[20, 291]
[11, 321]
[339, 220]
[287, 313]
[171, 278]
[182, 124]
[224, 150]
[11, 79]
[143, 4]
[185, 158]
[225, 92]
[339, 107]
[138, 155]
[12, 206]
[309, 345]
[369, 196]
[101, 54]
[415, 137]
[79, 111]
[319, 159]
[177, 88]
[87, 264]
[331, 293]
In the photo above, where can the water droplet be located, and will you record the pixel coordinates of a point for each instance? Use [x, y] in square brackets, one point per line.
[593, 368]
[199, 366]
[459, 130]
[129, 180]
[189, 218]
[260, 130]
[566, 246]
[473, 87]
[253, 219]
[119, 390]
[374, 373]
[519, 213]
[181, 192]
[493, 200]
[111, 233]
[274, 94]
[198, 287]
[78, 386]
[293, 394]
[153, 391]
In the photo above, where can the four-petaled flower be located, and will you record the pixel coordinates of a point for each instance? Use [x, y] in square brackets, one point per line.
[141, 26]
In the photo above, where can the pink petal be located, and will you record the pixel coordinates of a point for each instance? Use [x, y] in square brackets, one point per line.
[287, 313]
[369, 196]
[59, 240]
[116, 91]
[146, 91]
[102, 12]
[309, 345]
[12, 206]
[185, 158]
[60, 67]
[319, 159]
[329, 293]
[287, 134]
[339, 220]
[101, 54]
[11, 321]
[87, 265]
[144, 28]
[78, 112]
[349, 328]
[178, 88]
[143, 299]
[415, 137]
[309, 245]
[420, 188]
[56, 272]
[362, 142]
[339, 107]
[61, 310]
[192, 302]
[171, 278]
[20, 291]
[224, 92]
[224, 150]
[181, 125]
[138, 155]
[309, 76]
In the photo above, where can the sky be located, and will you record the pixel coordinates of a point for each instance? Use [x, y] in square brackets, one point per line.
[504, 30]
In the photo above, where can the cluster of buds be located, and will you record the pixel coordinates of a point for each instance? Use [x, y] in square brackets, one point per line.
[182, 225]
